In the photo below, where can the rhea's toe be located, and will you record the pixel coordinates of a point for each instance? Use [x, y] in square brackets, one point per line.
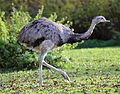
[64, 74]
[40, 83]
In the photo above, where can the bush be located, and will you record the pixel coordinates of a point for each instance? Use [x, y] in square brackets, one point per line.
[15, 57]
[3, 29]
[18, 19]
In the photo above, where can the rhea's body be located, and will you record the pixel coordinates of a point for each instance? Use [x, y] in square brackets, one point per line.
[33, 34]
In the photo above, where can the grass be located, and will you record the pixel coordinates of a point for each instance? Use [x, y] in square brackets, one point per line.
[92, 71]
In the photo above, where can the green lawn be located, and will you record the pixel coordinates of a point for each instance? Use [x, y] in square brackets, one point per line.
[92, 71]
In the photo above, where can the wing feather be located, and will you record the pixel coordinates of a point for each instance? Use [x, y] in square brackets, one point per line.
[29, 33]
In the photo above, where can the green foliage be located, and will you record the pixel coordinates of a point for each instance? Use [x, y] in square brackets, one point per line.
[12, 55]
[3, 28]
[18, 19]
[24, 5]
[39, 14]
[94, 71]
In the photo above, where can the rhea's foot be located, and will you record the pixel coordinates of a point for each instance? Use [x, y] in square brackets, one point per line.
[41, 84]
[64, 74]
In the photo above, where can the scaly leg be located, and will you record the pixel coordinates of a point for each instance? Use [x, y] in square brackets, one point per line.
[41, 58]
[44, 48]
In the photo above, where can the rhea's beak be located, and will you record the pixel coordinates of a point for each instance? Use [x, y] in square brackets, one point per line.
[107, 20]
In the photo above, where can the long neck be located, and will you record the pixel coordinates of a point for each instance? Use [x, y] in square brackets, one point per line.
[75, 37]
[87, 34]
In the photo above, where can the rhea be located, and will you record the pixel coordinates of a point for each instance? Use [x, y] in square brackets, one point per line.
[44, 35]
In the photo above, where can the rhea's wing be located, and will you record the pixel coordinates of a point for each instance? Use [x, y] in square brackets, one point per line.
[32, 31]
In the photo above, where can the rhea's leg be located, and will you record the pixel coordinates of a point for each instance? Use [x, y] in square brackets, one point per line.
[44, 48]
[64, 74]
[41, 59]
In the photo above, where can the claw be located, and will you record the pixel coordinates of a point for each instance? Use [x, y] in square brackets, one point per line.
[41, 84]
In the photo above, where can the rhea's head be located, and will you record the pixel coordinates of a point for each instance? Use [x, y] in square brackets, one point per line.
[99, 19]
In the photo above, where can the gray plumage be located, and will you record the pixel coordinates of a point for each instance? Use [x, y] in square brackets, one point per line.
[42, 29]
[45, 34]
